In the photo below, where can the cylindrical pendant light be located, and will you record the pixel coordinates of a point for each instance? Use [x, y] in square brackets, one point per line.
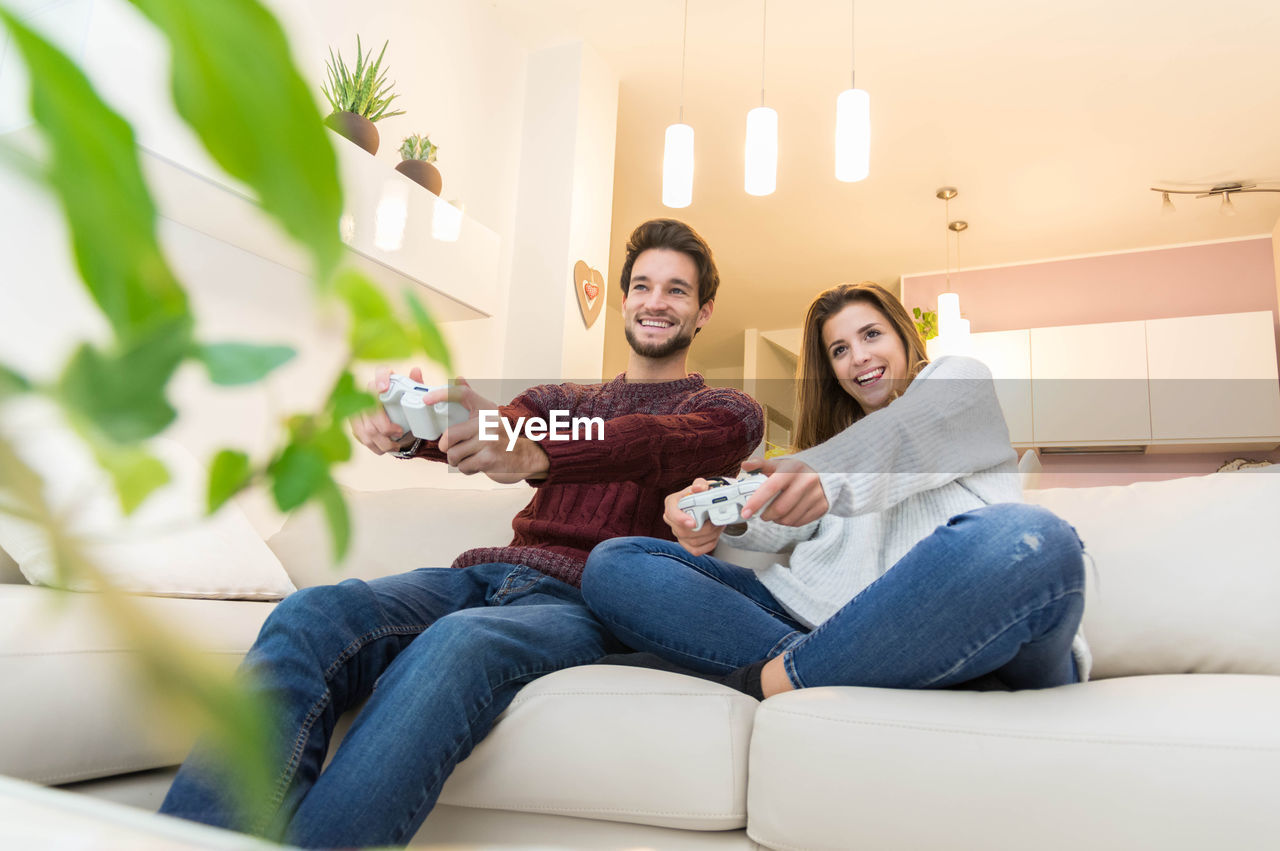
[853, 129]
[761, 172]
[853, 135]
[677, 166]
[762, 151]
[677, 153]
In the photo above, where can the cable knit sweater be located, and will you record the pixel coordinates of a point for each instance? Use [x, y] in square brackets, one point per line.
[891, 478]
[658, 437]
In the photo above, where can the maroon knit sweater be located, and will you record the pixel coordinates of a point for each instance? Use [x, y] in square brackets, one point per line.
[658, 437]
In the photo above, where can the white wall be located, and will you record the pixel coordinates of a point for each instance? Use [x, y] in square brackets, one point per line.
[566, 200]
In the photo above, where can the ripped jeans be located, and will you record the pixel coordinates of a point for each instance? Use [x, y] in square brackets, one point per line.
[970, 605]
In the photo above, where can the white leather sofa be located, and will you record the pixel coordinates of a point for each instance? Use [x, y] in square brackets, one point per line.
[1174, 745]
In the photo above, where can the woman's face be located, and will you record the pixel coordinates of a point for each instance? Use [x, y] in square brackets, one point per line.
[866, 355]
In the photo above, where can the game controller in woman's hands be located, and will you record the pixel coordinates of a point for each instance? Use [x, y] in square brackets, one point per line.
[722, 502]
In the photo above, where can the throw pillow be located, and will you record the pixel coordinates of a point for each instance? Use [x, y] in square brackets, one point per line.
[398, 530]
[1181, 573]
[168, 547]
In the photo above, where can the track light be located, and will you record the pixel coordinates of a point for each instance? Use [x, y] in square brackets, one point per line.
[1226, 190]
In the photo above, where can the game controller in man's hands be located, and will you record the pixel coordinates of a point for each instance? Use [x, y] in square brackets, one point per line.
[722, 502]
[403, 403]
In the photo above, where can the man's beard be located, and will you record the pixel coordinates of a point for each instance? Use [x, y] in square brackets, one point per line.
[658, 351]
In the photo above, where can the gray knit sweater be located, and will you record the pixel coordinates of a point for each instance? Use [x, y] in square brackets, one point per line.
[891, 478]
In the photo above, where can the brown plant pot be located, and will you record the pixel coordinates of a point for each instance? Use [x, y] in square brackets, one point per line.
[357, 128]
[422, 173]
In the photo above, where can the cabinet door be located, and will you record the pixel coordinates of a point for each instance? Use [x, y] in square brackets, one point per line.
[1089, 384]
[1213, 377]
[1008, 355]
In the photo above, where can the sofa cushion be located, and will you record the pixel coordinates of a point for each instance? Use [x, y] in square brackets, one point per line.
[618, 744]
[1186, 575]
[399, 530]
[1169, 762]
[167, 547]
[74, 707]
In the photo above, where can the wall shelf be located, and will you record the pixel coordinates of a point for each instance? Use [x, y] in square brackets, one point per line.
[398, 233]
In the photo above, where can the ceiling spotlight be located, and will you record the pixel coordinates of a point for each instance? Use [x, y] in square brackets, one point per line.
[1227, 208]
[1166, 206]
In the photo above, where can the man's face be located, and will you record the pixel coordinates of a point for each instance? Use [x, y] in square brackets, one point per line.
[661, 312]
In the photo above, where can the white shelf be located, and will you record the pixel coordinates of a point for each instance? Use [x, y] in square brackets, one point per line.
[387, 227]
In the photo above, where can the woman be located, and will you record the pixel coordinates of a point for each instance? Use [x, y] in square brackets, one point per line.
[913, 562]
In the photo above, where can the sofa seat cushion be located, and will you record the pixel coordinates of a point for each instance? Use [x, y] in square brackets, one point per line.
[618, 744]
[75, 707]
[1170, 762]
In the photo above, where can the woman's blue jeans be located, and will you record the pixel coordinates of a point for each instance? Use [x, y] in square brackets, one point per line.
[995, 594]
[438, 653]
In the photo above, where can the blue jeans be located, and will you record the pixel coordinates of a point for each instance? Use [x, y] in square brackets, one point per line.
[438, 653]
[994, 596]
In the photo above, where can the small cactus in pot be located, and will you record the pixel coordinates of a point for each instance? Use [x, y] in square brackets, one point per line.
[417, 155]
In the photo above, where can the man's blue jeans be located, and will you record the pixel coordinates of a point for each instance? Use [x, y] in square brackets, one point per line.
[995, 594]
[438, 653]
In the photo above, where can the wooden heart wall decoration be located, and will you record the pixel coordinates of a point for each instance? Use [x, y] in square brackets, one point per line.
[588, 284]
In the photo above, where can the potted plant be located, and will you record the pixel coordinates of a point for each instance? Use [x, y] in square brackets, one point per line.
[417, 153]
[359, 97]
[926, 322]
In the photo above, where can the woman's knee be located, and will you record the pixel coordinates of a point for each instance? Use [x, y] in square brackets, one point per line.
[611, 566]
[1036, 538]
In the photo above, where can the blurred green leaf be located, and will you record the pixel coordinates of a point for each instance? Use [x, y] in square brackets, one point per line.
[335, 510]
[109, 211]
[433, 344]
[296, 475]
[241, 363]
[375, 332]
[229, 473]
[347, 400]
[235, 84]
[12, 382]
[122, 396]
[332, 443]
[135, 472]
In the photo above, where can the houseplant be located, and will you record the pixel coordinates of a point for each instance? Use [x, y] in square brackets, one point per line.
[926, 323]
[359, 97]
[417, 153]
[265, 132]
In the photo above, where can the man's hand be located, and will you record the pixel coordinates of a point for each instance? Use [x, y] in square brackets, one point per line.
[466, 451]
[698, 543]
[374, 428]
[796, 490]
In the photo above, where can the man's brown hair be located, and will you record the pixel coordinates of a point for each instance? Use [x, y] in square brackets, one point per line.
[675, 236]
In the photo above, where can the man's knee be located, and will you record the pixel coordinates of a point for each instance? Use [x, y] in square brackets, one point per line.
[318, 608]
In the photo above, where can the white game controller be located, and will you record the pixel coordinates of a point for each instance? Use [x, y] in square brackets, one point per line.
[404, 406]
[722, 502]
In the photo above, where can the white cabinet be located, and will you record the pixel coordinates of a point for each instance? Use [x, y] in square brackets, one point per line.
[1089, 385]
[1213, 379]
[1191, 384]
[1008, 355]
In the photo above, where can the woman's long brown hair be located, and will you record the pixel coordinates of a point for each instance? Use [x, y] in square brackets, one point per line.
[823, 408]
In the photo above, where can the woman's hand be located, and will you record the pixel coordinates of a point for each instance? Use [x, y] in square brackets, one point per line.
[698, 543]
[794, 487]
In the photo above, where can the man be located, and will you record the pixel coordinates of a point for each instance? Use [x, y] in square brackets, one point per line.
[448, 648]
